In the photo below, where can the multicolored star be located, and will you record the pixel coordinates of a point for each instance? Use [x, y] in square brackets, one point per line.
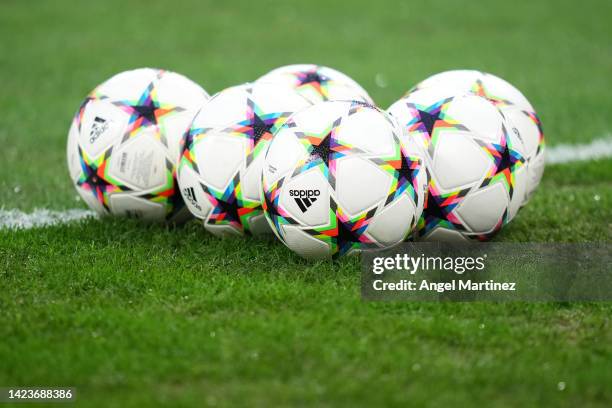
[146, 111]
[312, 78]
[505, 161]
[95, 179]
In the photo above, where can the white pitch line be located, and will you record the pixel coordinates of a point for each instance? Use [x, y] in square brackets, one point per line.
[15, 219]
[568, 153]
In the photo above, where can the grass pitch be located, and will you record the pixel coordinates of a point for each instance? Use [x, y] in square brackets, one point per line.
[137, 315]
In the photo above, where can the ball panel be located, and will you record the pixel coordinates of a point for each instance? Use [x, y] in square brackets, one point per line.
[223, 109]
[354, 176]
[219, 156]
[275, 98]
[480, 116]
[320, 117]
[458, 161]
[251, 179]
[282, 155]
[357, 132]
[528, 132]
[102, 125]
[482, 210]
[130, 206]
[140, 162]
[385, 228]
[127, 85]
[178, 90]
[192, 192]
[303, 244]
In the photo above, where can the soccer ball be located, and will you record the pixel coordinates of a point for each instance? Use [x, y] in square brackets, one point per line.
[477, 178]
[512, 103]
[123, 144]
[317, 83]
[220, 170]
[337, 180]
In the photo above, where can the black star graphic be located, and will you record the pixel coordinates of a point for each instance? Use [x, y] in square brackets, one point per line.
[230, 209]
[260, 128]
[312, 76]
[434, 209]
[322, 150]
[429, 119]
[406, 175]
[96, 183]
[506, 162]
[147, 111]
[406, 172]
[345, 237]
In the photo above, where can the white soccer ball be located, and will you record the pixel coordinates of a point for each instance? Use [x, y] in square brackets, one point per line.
[220, 169]
[123, 144]
[512, 103]
[318, 83]
[336, 180]
[477, 174]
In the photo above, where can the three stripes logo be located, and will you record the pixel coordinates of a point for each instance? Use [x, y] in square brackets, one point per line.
[191, 197]
[304, 198]
[98, 127]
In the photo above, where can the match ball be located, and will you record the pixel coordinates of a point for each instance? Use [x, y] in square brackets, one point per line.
[318, 83]
[220, 168]
[336, 180]
[514, 106]
[477, 177]
[123, 144]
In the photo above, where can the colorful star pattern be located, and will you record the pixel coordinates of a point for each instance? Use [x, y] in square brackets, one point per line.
[505, 162]
[95, 178]
[312, 78]
[147, 111]
[428, 121]
[438, 209]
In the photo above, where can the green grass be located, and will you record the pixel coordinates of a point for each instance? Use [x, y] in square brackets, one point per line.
[138, 315]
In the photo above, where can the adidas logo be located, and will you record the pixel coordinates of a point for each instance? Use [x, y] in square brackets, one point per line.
[304, 198]
[191, 197]
[98, 127]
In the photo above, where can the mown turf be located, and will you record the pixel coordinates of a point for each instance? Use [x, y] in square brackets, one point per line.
[135, 315]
